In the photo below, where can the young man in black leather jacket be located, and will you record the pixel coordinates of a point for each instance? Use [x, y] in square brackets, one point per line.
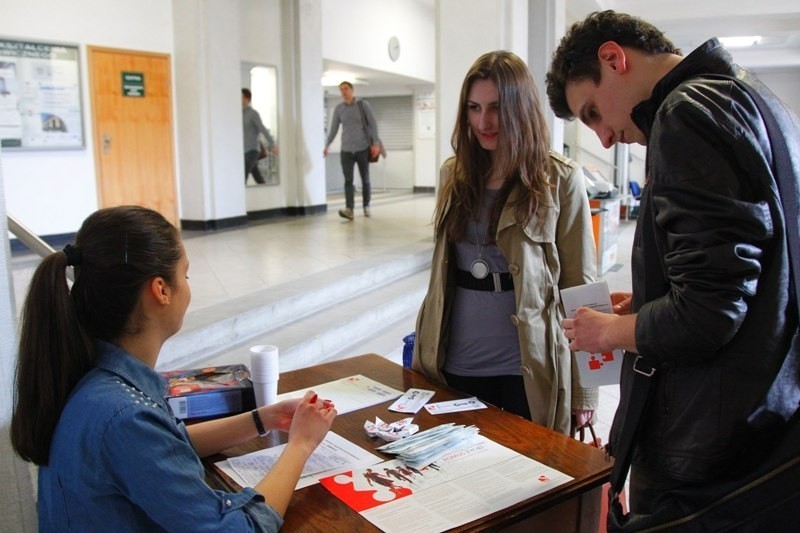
[712, 308]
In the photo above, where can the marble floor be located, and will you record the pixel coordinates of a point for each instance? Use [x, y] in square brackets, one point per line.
[230, 263]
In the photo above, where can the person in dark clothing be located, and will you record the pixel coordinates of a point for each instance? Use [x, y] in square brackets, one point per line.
[711, 310]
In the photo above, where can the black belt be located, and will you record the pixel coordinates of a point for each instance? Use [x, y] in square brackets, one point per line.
[494, 281]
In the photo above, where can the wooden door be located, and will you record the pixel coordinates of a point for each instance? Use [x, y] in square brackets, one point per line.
[132, 124]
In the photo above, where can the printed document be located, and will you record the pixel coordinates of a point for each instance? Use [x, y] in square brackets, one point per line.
[349, 394]
[334, 454]
[595, 369]
[464, 485]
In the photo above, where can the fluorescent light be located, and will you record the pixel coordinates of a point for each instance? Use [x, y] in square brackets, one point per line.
[332, 78]
[741, 41]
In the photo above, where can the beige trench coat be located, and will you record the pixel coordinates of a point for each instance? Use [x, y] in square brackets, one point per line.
[542, 257]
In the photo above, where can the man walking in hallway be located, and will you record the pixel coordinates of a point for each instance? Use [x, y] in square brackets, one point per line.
[252, 126]
[359, 141]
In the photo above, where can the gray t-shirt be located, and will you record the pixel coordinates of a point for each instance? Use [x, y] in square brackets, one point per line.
[483, 341]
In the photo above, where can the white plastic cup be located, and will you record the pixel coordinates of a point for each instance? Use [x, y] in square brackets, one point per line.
[264, 373]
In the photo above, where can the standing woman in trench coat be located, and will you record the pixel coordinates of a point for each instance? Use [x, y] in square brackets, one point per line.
[512, 227]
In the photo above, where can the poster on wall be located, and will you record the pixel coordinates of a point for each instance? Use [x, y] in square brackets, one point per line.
[40, 96]
[426, 115]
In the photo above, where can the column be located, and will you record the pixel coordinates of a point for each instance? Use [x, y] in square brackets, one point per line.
[302, 102]
[208, 113]
[546, 26]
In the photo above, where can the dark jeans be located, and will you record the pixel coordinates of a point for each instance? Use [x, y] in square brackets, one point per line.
[349, 159]
[505, 392]
[251, 166]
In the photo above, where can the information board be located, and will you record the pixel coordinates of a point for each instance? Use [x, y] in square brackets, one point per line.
[40, 96]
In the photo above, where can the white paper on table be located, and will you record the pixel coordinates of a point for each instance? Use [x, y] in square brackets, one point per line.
[454, 406]
[594, 369]
[349, 394]
[334, 454]
[412, 401]
[472, 481]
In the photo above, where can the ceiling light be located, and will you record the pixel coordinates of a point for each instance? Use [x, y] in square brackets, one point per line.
[741, 41]
[332, 78]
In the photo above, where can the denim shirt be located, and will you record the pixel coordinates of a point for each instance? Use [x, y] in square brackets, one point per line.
[120, 460]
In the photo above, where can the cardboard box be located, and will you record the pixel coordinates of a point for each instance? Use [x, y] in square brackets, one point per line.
[211, 392]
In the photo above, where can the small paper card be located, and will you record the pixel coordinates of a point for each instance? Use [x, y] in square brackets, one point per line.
[453, 406]
[412, 401]
[595, 369]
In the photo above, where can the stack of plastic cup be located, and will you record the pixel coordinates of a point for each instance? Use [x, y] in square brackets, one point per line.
[264, 373]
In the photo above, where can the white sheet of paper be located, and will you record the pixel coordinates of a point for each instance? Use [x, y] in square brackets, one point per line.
[595, 369]
[454, 406]
[350, 393]
[334, 454]
[412, 401]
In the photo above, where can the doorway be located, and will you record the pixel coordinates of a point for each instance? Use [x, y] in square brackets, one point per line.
[131, 96]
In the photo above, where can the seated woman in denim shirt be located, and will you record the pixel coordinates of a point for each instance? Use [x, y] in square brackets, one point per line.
[90, 408]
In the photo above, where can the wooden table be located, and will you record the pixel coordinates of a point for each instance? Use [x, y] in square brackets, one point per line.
[573, 506]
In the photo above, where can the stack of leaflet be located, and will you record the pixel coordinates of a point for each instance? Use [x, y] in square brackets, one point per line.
[428, 446]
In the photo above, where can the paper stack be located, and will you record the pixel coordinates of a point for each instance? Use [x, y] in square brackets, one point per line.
[428, 446]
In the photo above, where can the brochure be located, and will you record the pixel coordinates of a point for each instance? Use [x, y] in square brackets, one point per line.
[350, 393]
[460, 487]
[595, 369]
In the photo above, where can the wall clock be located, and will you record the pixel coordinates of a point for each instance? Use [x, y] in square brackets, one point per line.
[394, 48]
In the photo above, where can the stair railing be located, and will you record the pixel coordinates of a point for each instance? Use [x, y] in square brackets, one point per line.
[32, 241]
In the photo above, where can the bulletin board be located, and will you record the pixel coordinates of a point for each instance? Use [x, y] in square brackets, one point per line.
[40, 96]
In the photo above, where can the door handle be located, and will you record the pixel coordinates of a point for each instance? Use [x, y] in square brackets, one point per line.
[106, 143]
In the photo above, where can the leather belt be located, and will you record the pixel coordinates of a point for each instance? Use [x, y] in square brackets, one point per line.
[495, 281]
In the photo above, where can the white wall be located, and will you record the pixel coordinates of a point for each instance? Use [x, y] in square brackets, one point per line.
[426, 171]
[466, 30]
[51, 192]
[413, 23]
[358, 32]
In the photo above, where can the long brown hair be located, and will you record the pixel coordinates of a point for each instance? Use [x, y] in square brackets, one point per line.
[522, 155]
[118, 250]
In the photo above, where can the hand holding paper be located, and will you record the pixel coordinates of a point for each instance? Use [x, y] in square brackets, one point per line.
[591, 305]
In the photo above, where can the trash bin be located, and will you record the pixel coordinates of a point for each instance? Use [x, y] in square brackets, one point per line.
[408, 349]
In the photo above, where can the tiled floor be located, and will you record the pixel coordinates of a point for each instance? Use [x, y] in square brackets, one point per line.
[231, 263]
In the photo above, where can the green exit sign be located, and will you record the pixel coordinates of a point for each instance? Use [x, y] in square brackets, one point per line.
[133, 84]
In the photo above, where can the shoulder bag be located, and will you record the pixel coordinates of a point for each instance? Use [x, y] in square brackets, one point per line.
[382, 151]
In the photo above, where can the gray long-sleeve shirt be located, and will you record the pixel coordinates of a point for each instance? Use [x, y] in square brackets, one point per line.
[354, 137]
[252, 126]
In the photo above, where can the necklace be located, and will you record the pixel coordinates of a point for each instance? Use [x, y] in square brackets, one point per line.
[479, 267]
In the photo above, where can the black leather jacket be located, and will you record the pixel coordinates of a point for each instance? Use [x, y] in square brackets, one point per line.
[710, 268]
